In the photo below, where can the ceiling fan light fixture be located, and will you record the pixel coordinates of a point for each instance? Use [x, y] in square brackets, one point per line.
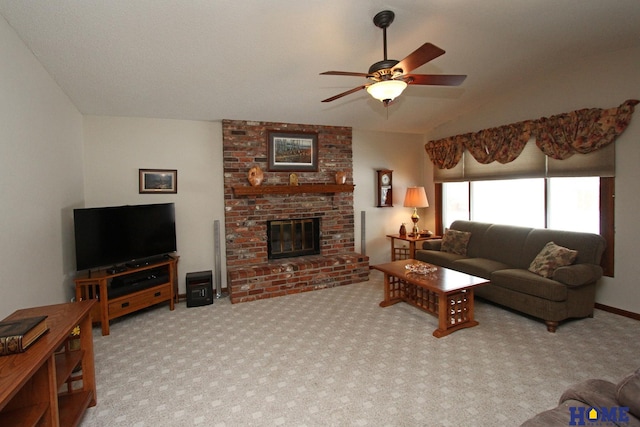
[387, 90]
[389, 78]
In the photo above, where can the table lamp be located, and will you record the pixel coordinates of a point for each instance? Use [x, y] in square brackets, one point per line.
[416, 198]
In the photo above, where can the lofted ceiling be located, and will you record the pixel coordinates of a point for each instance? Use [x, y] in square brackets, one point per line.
[260, 60]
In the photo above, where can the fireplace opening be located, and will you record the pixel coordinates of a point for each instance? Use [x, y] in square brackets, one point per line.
[293, 237]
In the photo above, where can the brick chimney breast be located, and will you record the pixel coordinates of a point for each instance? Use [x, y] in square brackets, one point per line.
[251, 275]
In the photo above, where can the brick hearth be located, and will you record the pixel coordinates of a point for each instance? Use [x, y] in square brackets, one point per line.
[251, 275]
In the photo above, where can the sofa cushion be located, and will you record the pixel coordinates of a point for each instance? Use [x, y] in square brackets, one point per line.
[504, 243]
[477, 230]
[550, 258]
[480, 267]
[455, 242]
[443, 259]
[529, 283]
[628, 393]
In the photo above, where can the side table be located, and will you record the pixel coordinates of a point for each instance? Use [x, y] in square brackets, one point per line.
[400, 253]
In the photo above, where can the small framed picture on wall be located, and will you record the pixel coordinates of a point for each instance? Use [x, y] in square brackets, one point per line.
[152, 181]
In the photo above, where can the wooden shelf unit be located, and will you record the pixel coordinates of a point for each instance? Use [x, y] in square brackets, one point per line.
[30, 382]
[292, 189]
[96, 285]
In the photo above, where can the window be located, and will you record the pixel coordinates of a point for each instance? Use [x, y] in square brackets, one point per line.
[512, 202]
[574, 204]
[571, 203]
[567, 203]
[574, 194]
[455, 202]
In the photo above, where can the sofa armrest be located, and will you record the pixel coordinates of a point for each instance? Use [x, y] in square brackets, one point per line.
[578, 274]
[432, 244]
[593, 392]
[628, 393]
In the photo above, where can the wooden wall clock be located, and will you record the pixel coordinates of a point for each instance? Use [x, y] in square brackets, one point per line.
[385, 191]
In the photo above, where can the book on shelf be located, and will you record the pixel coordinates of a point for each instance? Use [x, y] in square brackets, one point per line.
[17, 335]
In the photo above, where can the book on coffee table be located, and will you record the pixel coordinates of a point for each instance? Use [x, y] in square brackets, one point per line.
[17, 335]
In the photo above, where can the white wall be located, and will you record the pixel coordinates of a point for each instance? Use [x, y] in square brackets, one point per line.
[405, 155]
[117, 147]
[602, 82]
[40, 180]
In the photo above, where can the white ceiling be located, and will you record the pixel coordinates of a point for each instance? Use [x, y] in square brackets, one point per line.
[260, 60]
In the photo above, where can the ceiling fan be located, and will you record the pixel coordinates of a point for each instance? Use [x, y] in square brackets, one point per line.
[390, 77]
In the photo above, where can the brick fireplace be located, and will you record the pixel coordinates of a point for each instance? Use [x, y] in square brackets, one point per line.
[251, 274]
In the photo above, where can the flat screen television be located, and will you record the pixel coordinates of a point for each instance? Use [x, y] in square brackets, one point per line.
[123, 234]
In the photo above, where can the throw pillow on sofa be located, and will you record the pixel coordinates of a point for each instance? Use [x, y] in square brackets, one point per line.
[551, 257]
[455, 242]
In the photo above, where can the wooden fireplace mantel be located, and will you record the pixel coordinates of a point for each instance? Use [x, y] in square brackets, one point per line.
[292, 189]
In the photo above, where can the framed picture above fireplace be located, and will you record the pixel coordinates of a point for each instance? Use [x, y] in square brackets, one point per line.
[289, 151]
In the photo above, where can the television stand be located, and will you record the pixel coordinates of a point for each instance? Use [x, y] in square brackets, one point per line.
[125, 292]
[115, 269]
[146, 261]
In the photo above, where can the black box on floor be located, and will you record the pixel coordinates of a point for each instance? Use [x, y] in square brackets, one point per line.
[199, 288]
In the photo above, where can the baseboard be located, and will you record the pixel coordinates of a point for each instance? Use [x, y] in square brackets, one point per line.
[618, 311]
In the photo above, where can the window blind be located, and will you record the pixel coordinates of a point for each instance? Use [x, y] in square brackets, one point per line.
[600, 163]
[532, 163]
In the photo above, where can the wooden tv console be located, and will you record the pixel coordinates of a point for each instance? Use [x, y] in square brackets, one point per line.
[98, 285]
[32, 383]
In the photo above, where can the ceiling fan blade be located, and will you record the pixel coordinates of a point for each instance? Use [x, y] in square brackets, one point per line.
[434, 79]
[418, 57]
[349, 92]
[344, 73]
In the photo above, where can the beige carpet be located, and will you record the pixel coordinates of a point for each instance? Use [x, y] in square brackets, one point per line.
[335, 358]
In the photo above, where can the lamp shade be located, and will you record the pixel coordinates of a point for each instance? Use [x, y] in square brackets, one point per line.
[386, 89]
[416, 197]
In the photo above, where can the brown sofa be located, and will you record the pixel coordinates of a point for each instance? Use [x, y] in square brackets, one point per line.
[614, 405]
[502, 254]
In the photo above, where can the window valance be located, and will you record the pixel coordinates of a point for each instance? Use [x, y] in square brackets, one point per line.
[445, 153]
[558, 137]
[582, 131]
[502, 144]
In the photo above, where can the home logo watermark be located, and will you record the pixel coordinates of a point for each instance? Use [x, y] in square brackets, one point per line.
[602, 416]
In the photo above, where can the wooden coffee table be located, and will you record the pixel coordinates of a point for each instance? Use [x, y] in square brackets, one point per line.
[445, 293]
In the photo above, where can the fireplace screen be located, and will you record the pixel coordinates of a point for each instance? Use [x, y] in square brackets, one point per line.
[293, 237]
